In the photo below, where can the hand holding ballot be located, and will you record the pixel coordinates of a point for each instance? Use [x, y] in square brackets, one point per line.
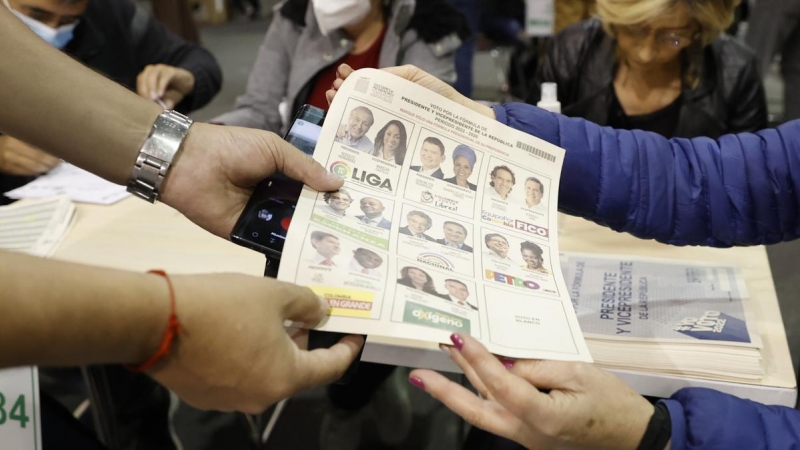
[585, 408]
[211, 183]
[271, 366]
[451, 257]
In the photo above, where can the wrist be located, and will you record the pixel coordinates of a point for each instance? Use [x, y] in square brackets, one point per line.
[177, 185]
[150, 329]
[153, 163]
[658, 430]
[170, 332]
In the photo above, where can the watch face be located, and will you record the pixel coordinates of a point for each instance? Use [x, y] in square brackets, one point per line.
[157, 153]
[166, 137]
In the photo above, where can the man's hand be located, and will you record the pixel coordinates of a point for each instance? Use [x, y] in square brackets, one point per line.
[166, 83]
[19, 158]
[586, 408]
[214, 174]
[233, 352]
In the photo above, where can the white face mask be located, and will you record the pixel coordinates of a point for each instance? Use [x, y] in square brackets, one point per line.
[334, 14]
[56, 37]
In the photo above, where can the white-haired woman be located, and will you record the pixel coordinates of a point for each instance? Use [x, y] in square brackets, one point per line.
[657, 65]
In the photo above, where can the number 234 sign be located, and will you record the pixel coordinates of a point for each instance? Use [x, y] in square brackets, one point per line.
[20, 426]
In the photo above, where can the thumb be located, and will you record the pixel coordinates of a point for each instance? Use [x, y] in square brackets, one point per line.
[301, 304]
[299, 166]
[324, 366]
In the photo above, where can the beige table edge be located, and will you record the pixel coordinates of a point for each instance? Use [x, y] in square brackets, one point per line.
[134, 235]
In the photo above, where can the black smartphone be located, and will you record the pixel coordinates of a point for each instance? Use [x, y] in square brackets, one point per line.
[268, 214]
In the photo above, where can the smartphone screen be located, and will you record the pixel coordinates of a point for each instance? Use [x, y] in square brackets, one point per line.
[268, 214]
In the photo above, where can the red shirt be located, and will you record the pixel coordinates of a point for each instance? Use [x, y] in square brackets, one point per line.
[326, 76]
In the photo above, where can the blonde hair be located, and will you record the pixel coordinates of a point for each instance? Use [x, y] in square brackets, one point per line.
[712, 16]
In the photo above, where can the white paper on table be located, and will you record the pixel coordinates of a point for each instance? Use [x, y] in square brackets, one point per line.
[73, 182]
[35, 227]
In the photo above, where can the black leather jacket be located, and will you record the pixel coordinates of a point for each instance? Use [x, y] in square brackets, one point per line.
[729, 98]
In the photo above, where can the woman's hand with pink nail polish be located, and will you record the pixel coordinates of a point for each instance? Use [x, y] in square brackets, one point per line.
[585, 408]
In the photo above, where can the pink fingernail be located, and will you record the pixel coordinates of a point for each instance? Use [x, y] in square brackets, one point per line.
[508, 363]
[416, 381]
[457, 341]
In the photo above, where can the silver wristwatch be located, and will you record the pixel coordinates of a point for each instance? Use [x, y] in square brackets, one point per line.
[157, 153]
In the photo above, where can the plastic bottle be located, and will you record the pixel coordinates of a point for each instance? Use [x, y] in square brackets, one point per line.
[549, 100]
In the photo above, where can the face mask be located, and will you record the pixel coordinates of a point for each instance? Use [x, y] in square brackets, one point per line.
[56, 37]
[334, 14]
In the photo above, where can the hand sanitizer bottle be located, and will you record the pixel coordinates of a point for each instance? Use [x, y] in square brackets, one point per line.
[549, 100]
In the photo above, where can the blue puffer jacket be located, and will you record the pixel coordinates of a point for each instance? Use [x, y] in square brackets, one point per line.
[738, 190]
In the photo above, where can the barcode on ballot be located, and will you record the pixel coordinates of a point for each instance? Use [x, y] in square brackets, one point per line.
[540, 153]
[362, 85]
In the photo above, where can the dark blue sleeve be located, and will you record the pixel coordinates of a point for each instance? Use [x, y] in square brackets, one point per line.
[704, 419]
[740, 189]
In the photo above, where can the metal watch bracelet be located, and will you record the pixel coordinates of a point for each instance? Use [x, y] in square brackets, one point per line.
[157, 153]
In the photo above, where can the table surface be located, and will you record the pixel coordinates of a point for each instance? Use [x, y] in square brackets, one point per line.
[135, 235]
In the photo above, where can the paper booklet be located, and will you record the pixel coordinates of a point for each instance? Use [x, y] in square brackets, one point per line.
[446, 223]
[686, 317]
[36, 227]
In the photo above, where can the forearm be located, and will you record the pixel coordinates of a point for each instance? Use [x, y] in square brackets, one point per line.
[56, 313]
[87, 113]
[737, 190]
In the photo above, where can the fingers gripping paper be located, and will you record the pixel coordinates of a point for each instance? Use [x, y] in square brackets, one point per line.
[446, 222]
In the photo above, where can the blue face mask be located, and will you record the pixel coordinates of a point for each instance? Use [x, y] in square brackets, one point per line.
[56, 37]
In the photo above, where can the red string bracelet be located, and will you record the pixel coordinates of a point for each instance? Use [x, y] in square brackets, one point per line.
[172, 331]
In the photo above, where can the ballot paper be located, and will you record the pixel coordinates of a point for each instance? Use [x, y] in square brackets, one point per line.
[687, 317]
[73, 182]
[35, 227]
[447, 223]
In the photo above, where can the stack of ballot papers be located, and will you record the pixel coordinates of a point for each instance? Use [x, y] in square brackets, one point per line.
[73, 182]
[665, 316]
[35, 227]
